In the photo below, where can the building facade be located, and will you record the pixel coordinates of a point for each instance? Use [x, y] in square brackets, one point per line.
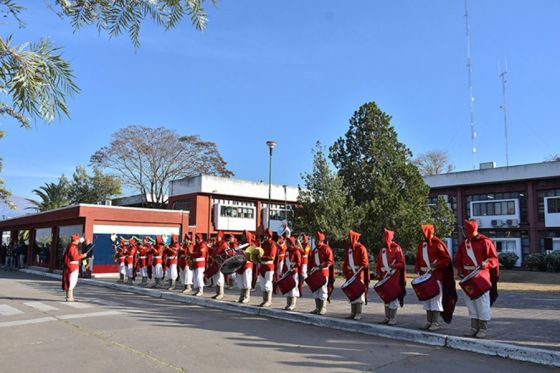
[231, 205]
[517, 206]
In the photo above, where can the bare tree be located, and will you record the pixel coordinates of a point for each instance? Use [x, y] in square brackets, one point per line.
[553, 158]
[147, 159]
[433, 162]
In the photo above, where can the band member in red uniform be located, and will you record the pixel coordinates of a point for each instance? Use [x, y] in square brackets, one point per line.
[157, 261]
[120, 258]
[390, 261]
[245, 274]
[266, 267]
[200, 250]
[171, 253]
[292, 264]
[279, 261]
[478, 251]
[322, 259]
[306, 249]
[432, 256]
[70, 272]
[143, 260]
[356, 260]
[130, 260]
[185, 265]
[217, 250]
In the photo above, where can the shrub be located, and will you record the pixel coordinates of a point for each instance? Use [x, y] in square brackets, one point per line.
[409, 257]
[508, 260]
[553, 261]
[536, 262]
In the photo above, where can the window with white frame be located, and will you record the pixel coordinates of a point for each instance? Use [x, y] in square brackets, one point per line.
[493, 208]
[553, 205]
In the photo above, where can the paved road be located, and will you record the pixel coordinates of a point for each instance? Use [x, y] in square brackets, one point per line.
[117, 331]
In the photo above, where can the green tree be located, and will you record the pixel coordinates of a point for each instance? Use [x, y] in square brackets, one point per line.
[324, 205]
[35, 80]
[378, 173]
[98, 187]
[443, 218]
[51, 195]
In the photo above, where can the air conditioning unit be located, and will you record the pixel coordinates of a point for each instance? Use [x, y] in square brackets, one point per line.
[512, 222]
[495, 223]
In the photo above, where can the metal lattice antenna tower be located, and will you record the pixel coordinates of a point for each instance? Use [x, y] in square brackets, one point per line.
[471, 98]
[503, 76]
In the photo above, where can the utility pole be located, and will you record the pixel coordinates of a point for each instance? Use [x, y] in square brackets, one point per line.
[471, 98]
[503, 77]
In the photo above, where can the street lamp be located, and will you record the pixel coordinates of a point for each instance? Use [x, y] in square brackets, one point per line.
[271, 145]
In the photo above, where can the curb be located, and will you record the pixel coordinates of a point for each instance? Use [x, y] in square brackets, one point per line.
[483, 347]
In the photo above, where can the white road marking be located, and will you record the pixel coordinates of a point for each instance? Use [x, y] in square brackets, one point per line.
[6, 310]
[104, 302]
[91, 314]
[6, 324]
[40, 306]
[77, 305]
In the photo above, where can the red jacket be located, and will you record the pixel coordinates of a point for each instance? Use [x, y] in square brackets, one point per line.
[172, 253]
[292, 259]
[71, 259]
[199, 255]
[395, 259]
[267, 260]
[322, 257]
[184, 255]
[305, 254]
[157, 253]
[360, 257]
[437, 252]
[143, 256]
[130, 255]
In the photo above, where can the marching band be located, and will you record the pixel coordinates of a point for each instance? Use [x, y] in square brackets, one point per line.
[288, 263]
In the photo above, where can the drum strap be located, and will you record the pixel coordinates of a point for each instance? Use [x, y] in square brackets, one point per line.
[470, 252]
[385, 260]
[351, 260]
[317, 261]
[425, 255]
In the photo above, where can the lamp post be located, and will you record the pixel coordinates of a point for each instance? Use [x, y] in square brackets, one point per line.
[271, 145]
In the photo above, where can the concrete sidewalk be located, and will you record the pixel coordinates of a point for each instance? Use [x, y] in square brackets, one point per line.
[518, 331]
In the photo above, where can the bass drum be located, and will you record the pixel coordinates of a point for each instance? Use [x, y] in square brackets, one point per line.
[315, 280]
[354, 287]
[388, 288]
[287, 282]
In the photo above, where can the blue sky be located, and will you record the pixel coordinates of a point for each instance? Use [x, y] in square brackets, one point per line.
[295, 71]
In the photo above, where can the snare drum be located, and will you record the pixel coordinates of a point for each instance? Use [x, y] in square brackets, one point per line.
[476, 283]
[212, 270]
[354, 287]
[229, 261]
[425, 287]
[286, 283]
[315, 280]
[388, 288]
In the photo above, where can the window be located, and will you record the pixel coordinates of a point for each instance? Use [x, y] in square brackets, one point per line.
[237, 212]
[493, 208]
[553, 206]
[182, 204]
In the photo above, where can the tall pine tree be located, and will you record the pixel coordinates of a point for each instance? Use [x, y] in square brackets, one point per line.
[378, 174]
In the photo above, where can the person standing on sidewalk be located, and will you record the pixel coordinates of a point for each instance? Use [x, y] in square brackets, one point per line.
[157, 261]
[266, 267]
[130, 260]
[433, 257]
[172, 252]
[217, 250]
[244, 275]
[390, 262]
[200, 251]
[143, 260]
[291, 267]
[356, 259]
[71, 260]
[322, 259]
[185, 265]
[9, 260]
[478, 252]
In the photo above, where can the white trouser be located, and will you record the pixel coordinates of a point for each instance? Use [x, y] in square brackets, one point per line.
[198, 278]
[295, 291]
[218, 279]
[360, 300]
[244, 279]
[129, 270]
[73, 279]
[158, 271]
[144, 271]
[394, 304]
[122, 269]
[322, 292]
[478, 308]
[266, 281]
[232, 278]
[172, 272]
[435, 304]
[186, 276]
[304, 271]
